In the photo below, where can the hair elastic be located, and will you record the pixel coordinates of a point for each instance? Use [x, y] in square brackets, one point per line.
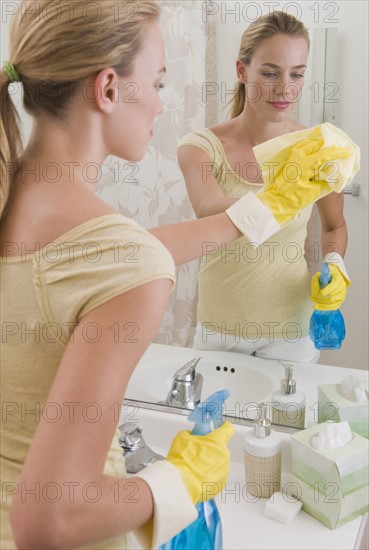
[11, 72]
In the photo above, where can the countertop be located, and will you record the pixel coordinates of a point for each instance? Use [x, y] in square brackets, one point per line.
[244, 524]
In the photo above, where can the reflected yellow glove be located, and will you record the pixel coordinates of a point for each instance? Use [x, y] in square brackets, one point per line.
[306, 175]
[333, 295]
[298, 169]
[202, 460]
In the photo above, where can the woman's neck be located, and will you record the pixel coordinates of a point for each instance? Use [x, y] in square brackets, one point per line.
[257, 130]
[66, 149]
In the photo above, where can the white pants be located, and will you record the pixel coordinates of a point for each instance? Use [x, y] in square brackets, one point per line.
[280, 349]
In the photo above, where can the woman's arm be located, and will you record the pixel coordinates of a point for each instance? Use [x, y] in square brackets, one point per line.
[187, 241]
[190, 240]
[334, 230]
[70, 454]
[204, 236]
[203, 189]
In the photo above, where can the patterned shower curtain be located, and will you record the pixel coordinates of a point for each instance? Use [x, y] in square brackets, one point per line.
[153, 191]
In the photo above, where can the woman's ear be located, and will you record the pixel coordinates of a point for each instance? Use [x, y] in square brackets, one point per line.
[241, 71]
[105, 90]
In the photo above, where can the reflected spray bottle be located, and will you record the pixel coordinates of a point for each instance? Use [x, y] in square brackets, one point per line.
[205, 533]
[327, 328]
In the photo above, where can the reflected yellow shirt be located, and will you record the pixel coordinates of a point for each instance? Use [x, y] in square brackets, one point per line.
[252, 292]
[43, 296]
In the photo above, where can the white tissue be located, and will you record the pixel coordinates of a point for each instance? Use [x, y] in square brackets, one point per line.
[332, 435]
[352, 388]
[361, 395]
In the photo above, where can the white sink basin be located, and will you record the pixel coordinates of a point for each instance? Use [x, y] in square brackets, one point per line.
[246, 386]
[153, 376]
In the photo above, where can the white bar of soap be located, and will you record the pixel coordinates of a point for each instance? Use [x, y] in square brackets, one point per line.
[283, 508]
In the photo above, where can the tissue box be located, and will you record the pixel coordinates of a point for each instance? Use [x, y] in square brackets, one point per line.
[334, 406]
[332, 485]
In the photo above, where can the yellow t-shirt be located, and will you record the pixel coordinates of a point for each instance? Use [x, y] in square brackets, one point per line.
[252, 293]
[43, 296]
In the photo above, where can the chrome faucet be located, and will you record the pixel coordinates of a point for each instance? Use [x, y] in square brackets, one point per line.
[135, 450]
[186, 387]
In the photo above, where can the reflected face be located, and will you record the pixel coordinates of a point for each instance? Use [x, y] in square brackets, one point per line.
[139, 100]
[275, 76]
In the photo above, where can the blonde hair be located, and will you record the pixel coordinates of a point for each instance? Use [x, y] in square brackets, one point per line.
[55, 44]
[277, 22]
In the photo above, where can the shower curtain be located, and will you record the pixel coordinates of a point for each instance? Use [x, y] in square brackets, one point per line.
[153, 191]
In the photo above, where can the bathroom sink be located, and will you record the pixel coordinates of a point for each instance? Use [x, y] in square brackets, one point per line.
[246, 386]
[153, 376]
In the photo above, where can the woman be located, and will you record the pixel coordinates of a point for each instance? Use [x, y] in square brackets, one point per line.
[258, 301]
[68, 282]
[68, 279]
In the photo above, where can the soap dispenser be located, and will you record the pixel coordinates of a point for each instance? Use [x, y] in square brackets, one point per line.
[288, 405]
[262, 450]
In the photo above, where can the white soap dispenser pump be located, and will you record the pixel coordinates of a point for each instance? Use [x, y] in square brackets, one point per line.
[262, 450]
[288, 404]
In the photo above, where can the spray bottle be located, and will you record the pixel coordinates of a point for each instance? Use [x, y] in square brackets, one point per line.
[205, 532]
[327, 328]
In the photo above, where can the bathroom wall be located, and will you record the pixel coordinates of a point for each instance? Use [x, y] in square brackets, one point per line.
[352, 116]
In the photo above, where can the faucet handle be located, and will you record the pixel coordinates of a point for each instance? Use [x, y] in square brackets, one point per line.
[187, 372]
[131, 437]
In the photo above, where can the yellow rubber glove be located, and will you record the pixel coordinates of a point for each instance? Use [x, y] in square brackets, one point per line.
[300, 175]
[333, 295]
[298, 169]
[201, 460]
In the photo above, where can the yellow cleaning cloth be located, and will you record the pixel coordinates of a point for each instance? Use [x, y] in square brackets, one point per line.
[278, 150]
[298, 169]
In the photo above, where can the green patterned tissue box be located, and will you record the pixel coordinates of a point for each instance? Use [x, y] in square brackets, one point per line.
[334, 406]
[332, 484]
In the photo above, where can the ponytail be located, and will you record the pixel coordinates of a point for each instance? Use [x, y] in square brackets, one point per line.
[238, 100]
[11, 142]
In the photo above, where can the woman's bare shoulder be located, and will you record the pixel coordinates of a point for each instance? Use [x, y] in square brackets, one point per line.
[223, 129]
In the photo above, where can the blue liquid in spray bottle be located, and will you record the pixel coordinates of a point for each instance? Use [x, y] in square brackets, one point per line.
[205, 533]
[327, 328]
